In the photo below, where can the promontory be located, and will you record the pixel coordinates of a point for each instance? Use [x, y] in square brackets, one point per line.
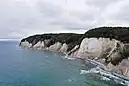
[107, 45]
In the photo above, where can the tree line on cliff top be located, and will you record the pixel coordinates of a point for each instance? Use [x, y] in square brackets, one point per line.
[72, 39]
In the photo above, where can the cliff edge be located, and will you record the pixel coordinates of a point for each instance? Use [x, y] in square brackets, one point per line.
[107, 45]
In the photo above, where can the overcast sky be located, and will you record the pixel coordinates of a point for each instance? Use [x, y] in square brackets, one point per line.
[20, 18]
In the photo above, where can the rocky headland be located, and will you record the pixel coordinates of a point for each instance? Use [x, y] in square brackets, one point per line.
[107, 45]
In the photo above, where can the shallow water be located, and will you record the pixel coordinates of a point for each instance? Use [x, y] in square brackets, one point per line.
[20, 67]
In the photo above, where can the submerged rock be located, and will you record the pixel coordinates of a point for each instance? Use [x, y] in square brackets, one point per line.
[107, 45]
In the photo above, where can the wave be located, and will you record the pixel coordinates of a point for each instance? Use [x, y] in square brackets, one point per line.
[68, 57]
[107, 76]
[98, 68]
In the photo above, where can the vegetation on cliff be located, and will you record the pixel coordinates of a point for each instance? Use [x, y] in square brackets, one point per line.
[119, 33]
[69, 38]
[111, 54]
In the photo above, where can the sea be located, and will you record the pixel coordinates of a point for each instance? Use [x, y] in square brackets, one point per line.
[27, 67]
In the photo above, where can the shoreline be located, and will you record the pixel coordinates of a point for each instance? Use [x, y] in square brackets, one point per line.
[109, 49]
[103, 68]
[95, 65]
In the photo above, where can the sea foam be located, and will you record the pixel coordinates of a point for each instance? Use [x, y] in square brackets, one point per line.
[105, 75]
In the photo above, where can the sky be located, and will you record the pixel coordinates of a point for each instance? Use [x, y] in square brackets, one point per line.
[21, 18]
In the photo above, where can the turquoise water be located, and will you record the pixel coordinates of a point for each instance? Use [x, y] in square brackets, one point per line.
[19, 67]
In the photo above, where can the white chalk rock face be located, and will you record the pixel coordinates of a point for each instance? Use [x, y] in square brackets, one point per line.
[89, 47]
[39, 45]
[43, 44]
[55, 47]
[26, 44]
[122, 68]
[46, 42]
[64, 48]
[93, 47]
[74, 51]
[75, 48]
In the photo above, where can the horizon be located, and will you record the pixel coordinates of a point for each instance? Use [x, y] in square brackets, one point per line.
[63, 31]
[22, 18]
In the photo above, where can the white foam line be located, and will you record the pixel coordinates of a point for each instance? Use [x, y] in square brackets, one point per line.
[69, 58]
[105, 73]
[105, 78]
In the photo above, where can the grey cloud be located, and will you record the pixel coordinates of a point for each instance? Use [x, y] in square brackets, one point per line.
[49, 9]
[100, 3]
[116, 13]
[58, 16]
[19, 18]
[87, 15]
[123, 13]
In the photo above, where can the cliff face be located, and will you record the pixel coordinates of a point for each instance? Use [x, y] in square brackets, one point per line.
[107, 45]
[54, 42]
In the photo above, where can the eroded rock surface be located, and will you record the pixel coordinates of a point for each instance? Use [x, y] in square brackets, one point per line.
[107, 45]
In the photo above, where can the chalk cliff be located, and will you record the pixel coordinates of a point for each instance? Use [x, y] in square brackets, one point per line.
[107, 45]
